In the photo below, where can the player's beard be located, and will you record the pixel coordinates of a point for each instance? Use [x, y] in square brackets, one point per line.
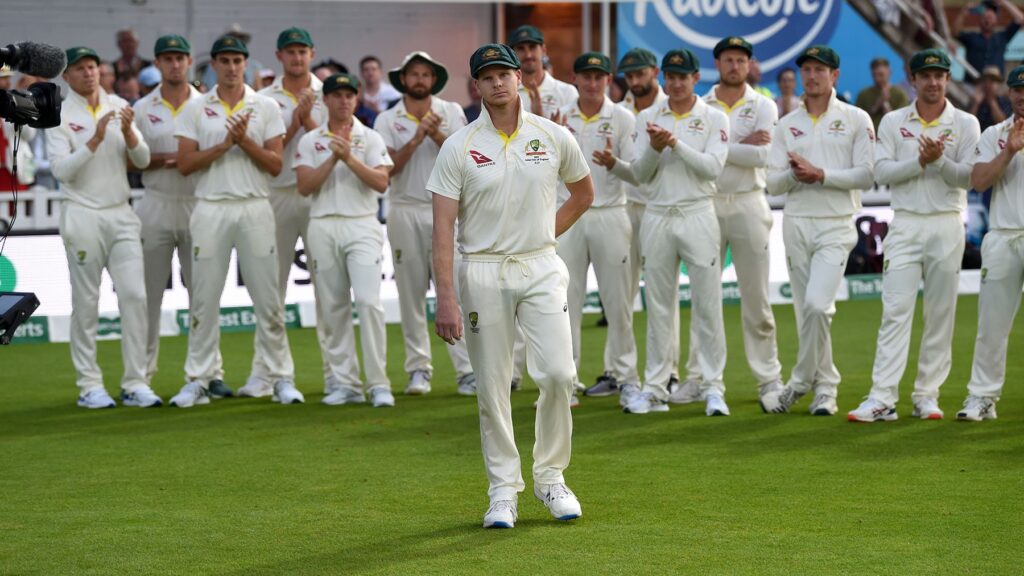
[418, 92]
[641, 91]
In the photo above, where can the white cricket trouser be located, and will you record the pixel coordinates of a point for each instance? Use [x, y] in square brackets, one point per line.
[602, 237]
[346, 254]
[291, 219]
[746, 224]
[409, 231]
[496, 292]
[164, 219]
[1002, 278]
[96, 239]
[636, 215]
[248, 227]
[918, 246]
[690, 235]
[816, 253]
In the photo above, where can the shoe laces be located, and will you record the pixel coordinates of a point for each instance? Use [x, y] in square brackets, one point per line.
[977, 402]
[558, 492]
[502, 506]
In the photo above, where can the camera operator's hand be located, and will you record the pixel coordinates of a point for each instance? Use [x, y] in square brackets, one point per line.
[127, 115]
[101, 131]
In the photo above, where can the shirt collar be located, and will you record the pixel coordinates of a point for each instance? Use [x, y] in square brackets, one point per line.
[699, 108]
[314, 84]
[832, 100]
[485, 117]
[605, 112]
[436, 106]
[357, 128]
[659, 94]
[945, 118]
[748, 95]
[213, 97]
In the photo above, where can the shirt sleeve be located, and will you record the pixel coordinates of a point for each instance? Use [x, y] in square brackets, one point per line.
[748, 155]
[187, 125]
[645, 158]
[65, 160]
[860, 175]
[383, 127]
[956, 171]
[707, 164]
[987, 149]
[274, 126]
[376, 151]
[304, 152]
[889, 168]
[780, 176]
[447, 179]
[456, 118]
[573, 166]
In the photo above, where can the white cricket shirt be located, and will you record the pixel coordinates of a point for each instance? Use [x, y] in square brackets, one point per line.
[639, 193]
[746, 168]
[506, 185]
[1007, 208]
[610, 123]
[288, 102]
[343, 193]
[554, 95]
[156, 119]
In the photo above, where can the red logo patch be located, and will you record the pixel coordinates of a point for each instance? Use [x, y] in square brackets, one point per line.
[75, 127]
[796, 132]
[725, 137]
[479, 157]
[907, 133]
[400, 128]
[319, 147]
[1002, 144]
[154, 119]
[210, 113]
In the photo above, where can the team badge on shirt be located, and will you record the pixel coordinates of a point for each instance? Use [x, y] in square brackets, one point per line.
[605, 129]
[474, 318]
[696, 126]
[154, 119]
[837, 128]
[536, 151]
[946, 136]
[210, 112]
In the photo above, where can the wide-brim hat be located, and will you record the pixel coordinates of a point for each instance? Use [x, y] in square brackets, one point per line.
[440, 72]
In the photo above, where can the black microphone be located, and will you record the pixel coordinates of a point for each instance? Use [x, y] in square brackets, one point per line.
[34, 59]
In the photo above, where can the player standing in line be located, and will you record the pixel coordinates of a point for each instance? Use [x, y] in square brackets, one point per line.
[414, 130]
[924, 153]
[297, 92]
[170, 197]
[89, 153]
[499, 177]
[232, 139]
[640, 69]
[543, 95]
[602, 235]
[821, 157]
[1000, 165]
[744, 216]
[344, 166]
[681, 150]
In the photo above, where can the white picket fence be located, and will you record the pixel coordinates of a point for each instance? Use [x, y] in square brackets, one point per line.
[36, 209]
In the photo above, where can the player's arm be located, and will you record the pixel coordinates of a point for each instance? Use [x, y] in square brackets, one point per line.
[268, 156]
[581, 196]
[192, 159]
[752, 151]
[956, 171]
[707, 165]
[309, 180]
[448, 318]
[137, 151]
[859, 176]
[156, 161]
[375, 177]
[646, 158]
[889, 168]
[992, 165]
[66, 161]
[781, 179]
[624, 151]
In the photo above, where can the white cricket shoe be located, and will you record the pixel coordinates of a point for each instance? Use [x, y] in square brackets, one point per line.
[626, 394]
[559, 499]
[501, 514]
[419, 383]
[256, 388]
[871, 410]
[686, 393]
[344, 395]
[927, 409]
[141, 397]
[330, 385]
[191, 394]
[773, 386]
[645, 402]
[286, 393]
[977, 408]
[380, 396]
[779, 401]
[823, 405]
[467, 385]
[96, 398]
[716, 405]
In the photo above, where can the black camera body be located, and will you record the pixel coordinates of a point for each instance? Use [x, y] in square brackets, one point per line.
[38, 107]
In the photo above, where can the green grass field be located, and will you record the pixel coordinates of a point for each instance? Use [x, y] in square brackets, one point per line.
[250, 487]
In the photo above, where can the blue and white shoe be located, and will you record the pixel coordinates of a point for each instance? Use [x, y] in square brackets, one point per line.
[344, 395]
[467, 385]
[381, 396]
[419, 383]
[644, 403]
[141, 397]
[559, 500]
[501, 514]
[96, 398]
